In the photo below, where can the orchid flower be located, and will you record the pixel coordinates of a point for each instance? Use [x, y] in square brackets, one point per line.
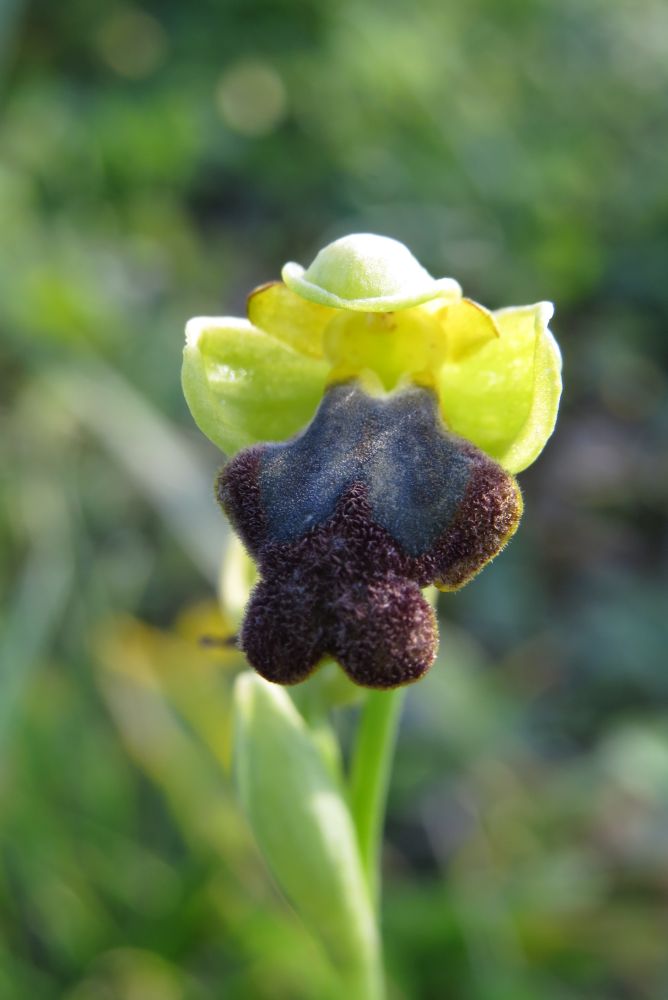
[374, 420]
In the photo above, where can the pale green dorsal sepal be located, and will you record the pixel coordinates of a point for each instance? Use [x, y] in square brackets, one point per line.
[367, 273]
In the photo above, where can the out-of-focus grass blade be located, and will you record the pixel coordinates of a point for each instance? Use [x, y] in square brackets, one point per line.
[34, 613]
[10, 12]
[37, 599]
[157, 455]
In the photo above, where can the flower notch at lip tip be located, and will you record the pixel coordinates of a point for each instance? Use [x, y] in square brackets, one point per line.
[367, 273]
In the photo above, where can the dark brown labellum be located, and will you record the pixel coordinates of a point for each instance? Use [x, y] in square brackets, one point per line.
[348, 520]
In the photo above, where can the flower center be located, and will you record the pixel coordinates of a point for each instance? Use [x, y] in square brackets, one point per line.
[385, 349]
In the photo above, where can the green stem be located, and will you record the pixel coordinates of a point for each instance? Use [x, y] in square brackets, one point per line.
[370, 776]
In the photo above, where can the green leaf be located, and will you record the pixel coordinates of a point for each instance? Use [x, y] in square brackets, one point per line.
[304, 829]
[243, 385]
[504, 395]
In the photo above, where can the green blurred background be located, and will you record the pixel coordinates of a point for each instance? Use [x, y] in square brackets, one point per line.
[157, 162]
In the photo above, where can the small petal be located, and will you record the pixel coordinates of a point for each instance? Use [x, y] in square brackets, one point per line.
[243, 385]
[466, 326]
[289, 317]
[367, 273]
[504, 396]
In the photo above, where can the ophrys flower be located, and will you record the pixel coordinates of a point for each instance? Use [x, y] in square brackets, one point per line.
[386, 415]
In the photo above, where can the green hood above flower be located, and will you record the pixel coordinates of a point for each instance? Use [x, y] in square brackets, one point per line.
[367, 273]
[366, 309]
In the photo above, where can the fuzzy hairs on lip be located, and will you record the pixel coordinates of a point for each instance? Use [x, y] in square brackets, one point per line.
[348, 520]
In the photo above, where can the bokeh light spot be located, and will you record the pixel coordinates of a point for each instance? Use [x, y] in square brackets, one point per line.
[251, 98]
[132, 43]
